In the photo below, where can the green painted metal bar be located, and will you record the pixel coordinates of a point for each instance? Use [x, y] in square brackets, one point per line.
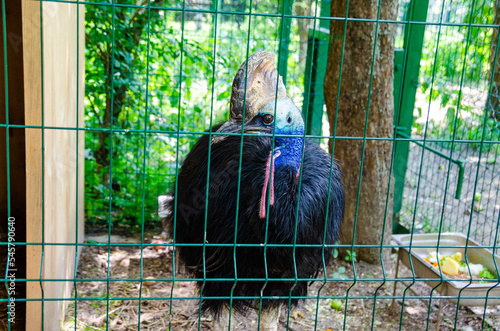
[364, 297]
[286, 26]
[144, 165]
[75, 269]
[418, 184]
[111, 146]
[177, 166]
[316, 61]
[325, 11]
[468, 43]
[314, 101]
[216, 7]
[262, 279]
[42, 133]
[399, 63]
[405, 102]
[194, 132]
[230, 245]
[240, 13]
[236, 216]
[308, 96]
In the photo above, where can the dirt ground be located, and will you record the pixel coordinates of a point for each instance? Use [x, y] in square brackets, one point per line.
[157, 310]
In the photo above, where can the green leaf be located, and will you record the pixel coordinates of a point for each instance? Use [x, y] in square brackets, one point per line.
[224, 95]
[425, 86]
[486, 274]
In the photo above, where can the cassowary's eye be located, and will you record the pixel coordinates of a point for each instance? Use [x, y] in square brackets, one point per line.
[267, 118]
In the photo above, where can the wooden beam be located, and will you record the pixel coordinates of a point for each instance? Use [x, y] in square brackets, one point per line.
[63, 77]
[55, 155]
[33, 116]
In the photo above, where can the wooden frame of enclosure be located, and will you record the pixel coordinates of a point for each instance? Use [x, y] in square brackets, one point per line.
[45, 43]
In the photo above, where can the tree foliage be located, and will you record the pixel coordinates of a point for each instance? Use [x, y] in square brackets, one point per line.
[456, 71]
[155, 80]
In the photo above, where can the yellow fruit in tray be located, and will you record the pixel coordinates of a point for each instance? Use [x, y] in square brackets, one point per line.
[457, 256]
[450, 266]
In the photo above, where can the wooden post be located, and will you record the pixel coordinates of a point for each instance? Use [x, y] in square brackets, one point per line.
[33, 116]
[64, 160]
[62, 164]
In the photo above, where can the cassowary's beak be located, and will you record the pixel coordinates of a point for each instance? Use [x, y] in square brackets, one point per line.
[287, 116]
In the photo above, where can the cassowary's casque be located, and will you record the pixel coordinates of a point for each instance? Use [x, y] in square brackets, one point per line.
[266, 211]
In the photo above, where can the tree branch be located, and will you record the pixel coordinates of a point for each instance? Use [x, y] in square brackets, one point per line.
[94, 110]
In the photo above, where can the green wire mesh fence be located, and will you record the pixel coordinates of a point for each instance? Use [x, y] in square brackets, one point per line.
[472, 89]
[158, 74]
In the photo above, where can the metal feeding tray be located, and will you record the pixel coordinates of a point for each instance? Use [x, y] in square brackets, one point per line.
[471, 294]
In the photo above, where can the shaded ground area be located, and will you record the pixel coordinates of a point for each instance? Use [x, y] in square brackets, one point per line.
[93, 310]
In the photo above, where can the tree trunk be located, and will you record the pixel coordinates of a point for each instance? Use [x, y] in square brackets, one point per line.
[303, 8]
[356, 98]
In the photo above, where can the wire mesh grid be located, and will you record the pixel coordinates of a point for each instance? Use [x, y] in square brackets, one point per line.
[158, 75]
[456, 213]
[470, 88]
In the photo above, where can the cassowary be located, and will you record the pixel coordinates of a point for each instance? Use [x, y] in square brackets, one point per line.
[270, 196]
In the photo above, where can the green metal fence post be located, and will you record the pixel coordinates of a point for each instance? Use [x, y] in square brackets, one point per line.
[312, 107]
[326, 6]
[404, 96]
[317, 55]
[216, 6]
[286, 25]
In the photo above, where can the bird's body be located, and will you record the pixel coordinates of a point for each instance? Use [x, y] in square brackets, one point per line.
[223, 217]
[256, 238]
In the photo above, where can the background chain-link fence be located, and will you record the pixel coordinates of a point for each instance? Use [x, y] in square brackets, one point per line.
[455, 91]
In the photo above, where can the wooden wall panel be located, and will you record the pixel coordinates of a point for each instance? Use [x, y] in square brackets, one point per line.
[63, 92]
[33, 116]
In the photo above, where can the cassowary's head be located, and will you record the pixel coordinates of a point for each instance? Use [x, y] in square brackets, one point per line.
[259, 100]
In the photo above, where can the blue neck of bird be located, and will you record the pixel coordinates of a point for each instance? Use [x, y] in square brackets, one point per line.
[291, 151]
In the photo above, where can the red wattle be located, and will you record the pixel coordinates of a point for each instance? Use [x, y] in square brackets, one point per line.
[262, 212]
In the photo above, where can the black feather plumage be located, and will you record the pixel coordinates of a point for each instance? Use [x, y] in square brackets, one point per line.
[190, 223]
